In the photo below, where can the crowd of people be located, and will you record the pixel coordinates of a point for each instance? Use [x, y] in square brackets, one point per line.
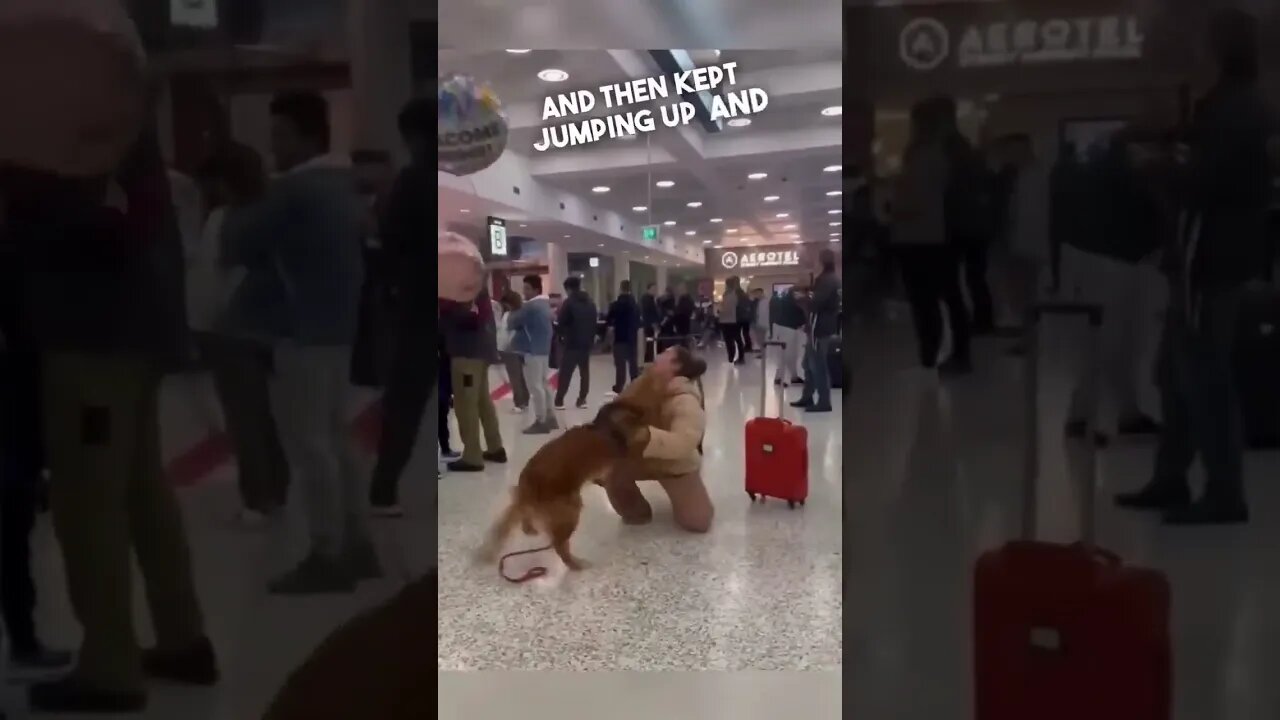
[1183, 191]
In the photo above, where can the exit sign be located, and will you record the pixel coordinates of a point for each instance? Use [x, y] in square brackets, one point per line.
[650, 233]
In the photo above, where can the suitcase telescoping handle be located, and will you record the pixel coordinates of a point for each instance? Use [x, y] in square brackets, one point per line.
[1031, 460]
[764, 377]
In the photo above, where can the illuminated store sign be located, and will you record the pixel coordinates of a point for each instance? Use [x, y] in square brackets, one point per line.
[926, 43]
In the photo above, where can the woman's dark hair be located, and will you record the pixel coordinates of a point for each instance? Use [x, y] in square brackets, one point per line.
[511, 300]
[534, 281]
[689, 365]
[308, 112]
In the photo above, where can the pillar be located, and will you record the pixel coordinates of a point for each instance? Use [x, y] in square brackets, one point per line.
[381, 73]
[622, 271]
[557, 267]
[661, 272]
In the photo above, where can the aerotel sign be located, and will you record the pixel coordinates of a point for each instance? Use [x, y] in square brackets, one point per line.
[733, 260]
[926, 44]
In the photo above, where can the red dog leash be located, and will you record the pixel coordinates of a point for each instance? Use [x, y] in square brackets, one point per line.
[533, 572]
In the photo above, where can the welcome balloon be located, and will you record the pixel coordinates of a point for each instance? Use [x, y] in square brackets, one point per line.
[473, 128]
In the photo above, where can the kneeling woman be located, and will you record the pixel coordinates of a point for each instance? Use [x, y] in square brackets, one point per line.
[673, 457]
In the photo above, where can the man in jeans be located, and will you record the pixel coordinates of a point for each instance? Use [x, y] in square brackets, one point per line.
[531, 335]
[824, 323]
[624, 318]
[301, 247]
[577, 329]
[1227, 182]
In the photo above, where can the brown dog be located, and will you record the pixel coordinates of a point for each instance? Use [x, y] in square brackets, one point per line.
[548, 496]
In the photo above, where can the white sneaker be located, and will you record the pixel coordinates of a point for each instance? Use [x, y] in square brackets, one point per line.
[610, 395]
[559, 406]
[519, 410]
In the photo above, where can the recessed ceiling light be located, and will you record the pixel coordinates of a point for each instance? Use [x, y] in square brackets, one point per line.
[568, 236]
[716, 220]
[706, 242]
[831, 168]
[770, 198]
[646, 257]
[731, 231]
[834, 224]
[695, 204]
[832, 111]
[739, 122]
[600, 189]
[835, 234]
[640, 208]
[833, 193]
[517, 52]
[836, 240]
[523, 225]
[600, 245]
[797, 242]
[553, 75]
[669, 223]
[783, 215]
[665, 183]
[788, 227]
[464, 210]
[690, 232]
[757, 176]
[834, 212]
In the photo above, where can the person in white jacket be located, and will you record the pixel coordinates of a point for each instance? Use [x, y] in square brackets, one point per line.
[240, 367]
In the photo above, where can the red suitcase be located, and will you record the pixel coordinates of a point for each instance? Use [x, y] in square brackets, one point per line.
[777, 451]
[1068, 632]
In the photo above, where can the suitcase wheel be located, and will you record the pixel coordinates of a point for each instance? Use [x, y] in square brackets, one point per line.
[791, 504]
[752, 496]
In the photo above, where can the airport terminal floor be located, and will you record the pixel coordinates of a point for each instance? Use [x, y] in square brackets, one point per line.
[933, 484]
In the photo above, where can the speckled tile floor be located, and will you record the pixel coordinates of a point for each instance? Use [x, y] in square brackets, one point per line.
[761, 591]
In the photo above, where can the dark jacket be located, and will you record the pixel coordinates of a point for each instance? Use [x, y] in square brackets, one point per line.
[649, 314]
[824, 308]
[1228, 182]
[788, 313]
[94, 279]
[406, 225]
[1103, 207]
[577, 322]
[624, 318]
[469, 330]
[744, 307]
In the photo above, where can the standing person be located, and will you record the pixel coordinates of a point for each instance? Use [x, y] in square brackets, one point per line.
[788, 328]
[928, 262]
[682, 316]
[577, 324]
[22, 462]
[240, 366]
[823, 325]
[760, 317]
[301, 247]
[1027, 250]
[102, 292]
[512, 362]
[744, 312]
[532, 333]
[624, 318]
[1107, 225]
[1226, 183]
[404, 227]
[727, 315]
[471, 343]
[651, 318]
[970, 219]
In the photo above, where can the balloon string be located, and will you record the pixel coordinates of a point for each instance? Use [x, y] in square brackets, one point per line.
[533, 572]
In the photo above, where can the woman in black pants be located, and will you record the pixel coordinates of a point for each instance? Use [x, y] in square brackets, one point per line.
[727, 315]
[930, 266]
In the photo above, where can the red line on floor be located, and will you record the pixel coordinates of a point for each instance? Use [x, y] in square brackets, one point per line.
[200, 460]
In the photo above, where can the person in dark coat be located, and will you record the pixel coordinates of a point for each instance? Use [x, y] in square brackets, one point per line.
[624, 318]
